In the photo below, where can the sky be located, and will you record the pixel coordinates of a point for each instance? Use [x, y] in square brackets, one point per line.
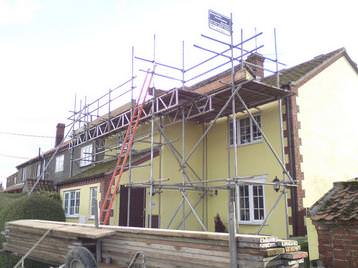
[52, 51]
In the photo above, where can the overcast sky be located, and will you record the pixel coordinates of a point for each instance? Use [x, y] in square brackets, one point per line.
[51, 51]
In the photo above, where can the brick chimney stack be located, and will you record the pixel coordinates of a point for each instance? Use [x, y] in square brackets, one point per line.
[256, 63]
[60, 133]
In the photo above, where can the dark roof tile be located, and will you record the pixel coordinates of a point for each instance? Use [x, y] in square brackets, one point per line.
[340, 204]
[297, 72]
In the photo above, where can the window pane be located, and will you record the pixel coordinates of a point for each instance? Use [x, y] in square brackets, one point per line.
[256, 133]
[244, 203]
[93, 200]
[245, 129]
[66, 200]
[256, 214]
[259, 212]
[77, 203]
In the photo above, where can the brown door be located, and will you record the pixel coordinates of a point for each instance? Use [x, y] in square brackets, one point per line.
[137, 207]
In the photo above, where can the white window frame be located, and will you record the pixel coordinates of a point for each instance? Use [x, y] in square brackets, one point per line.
[238, 132]
[91, 200]
[86, 155]
[67, 203]
[60, 160]
[257, 180]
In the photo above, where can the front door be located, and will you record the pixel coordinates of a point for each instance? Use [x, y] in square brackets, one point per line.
[137, 207]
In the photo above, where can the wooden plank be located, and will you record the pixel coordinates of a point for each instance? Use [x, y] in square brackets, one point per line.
[267, 252]
[294, 255]
[83, 231]
[286, 243]
[256, 245]
[292, 248]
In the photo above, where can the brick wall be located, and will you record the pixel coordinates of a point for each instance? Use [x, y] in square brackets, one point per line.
[294, 163]
[338, 245]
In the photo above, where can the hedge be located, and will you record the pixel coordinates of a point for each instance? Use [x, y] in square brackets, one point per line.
[40, 205]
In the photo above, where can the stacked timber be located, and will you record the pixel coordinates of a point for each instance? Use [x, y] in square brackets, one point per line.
[269, 251]
[22, 235]
[172, 248]
[155, 247]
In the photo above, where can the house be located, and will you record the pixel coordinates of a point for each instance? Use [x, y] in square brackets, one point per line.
[335, 217]
[13, 184]
[184, 157]
[169, 194]
[321, 137]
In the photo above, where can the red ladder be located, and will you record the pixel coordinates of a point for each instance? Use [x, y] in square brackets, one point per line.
[122, 158]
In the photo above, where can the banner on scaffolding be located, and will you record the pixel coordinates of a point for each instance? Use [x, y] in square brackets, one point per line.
[219, 23]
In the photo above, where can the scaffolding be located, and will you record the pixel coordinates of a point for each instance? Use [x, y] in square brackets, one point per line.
[233, 93]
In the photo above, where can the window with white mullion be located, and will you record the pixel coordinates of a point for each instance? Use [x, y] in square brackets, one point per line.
[247, 131]
[72, 202]
[252, 202]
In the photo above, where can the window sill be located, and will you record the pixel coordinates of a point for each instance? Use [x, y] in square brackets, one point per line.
[86, 165]
[246, 144]
[252, 223]
[72, 216]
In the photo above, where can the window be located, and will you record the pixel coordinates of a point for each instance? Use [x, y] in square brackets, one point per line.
[71, 203]
[93, 201]
[59, 163]
[247, 131]
[24, 174]
[251, 202]
[38, 170]
[86, 155]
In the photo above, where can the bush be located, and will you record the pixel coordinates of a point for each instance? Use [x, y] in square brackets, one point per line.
[40, 205]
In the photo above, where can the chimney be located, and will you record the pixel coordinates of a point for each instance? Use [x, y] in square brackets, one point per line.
[256, 63]
[60, 133]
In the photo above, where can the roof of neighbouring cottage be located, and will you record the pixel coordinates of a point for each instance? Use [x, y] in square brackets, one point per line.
[304, 71]
[340, 204]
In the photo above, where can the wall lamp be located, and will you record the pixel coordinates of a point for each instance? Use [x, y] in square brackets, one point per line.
[276, 184]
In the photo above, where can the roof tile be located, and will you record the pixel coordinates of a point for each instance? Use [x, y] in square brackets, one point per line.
[340, 204]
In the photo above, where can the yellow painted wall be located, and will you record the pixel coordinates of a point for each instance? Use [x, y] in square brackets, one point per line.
[84, 210]
[328, 131]
[253, 159]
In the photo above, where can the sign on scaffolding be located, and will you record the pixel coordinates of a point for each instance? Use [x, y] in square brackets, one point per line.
[219, 23]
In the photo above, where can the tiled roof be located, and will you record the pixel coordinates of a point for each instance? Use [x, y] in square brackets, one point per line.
[299, 71]
[340, 204]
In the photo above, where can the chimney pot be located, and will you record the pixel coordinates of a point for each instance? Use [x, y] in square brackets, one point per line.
[60, 133]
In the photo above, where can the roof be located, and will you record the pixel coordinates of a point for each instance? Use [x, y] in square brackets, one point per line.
[62, 146]
[340, 204]
[106, 168]
[302, 72]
